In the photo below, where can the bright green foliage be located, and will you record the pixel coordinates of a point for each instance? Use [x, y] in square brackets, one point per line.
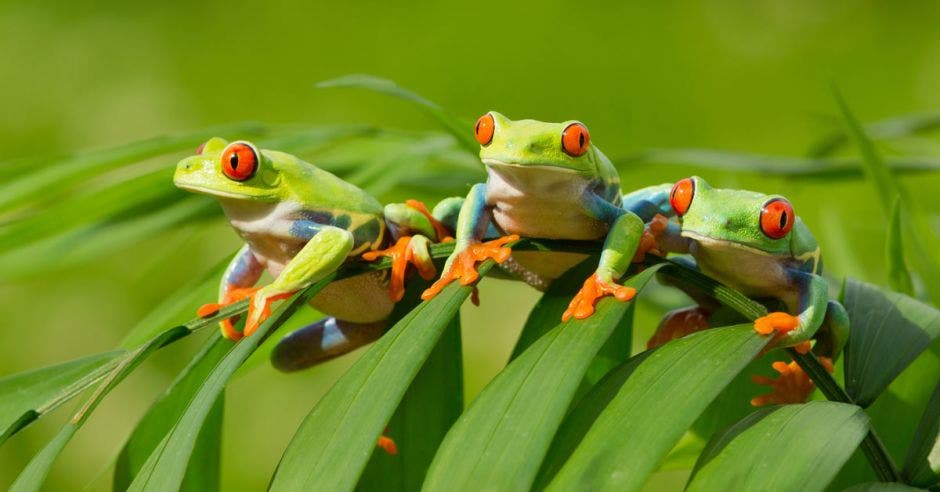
[573, 408]
[498, 442]
[755, 453]
[889, 330]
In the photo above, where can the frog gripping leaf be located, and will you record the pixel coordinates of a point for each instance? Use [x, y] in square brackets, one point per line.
[544, 180]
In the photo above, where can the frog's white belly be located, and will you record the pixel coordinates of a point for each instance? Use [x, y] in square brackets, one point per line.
[359, 299]
[754, 273]
[540, 203]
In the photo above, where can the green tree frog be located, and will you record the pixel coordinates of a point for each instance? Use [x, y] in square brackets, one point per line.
[754, 243]
[300, 223]
[544, 180]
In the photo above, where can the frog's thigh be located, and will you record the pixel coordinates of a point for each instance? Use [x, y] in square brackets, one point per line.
[359, 299]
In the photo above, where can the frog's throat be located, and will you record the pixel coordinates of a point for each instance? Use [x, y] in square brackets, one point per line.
[715, 244]
[550, 167]
[205, 190]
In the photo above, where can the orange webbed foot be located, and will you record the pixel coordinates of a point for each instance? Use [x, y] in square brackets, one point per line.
[401, 254]
[779, 322]
[232, 295]
[464, 266]
[582, 305]
[792, 385]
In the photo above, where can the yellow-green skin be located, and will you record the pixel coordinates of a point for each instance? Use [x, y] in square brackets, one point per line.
[301, 223]
[721, 230]
[535, 189]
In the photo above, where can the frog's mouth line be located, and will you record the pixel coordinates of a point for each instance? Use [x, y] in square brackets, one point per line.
[718, 243]
[549, 167]
[219, 193]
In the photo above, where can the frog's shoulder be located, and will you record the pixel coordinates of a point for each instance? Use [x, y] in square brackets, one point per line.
[804, 248]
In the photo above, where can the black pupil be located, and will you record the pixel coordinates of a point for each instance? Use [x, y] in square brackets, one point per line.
[233, 161]
[477, 129]
[581, 139]
[783, 219]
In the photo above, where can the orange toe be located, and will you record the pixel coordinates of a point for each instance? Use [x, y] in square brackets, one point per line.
[207, 310]
[387, 444]
[780, 322]
[442, 233]
[582, 305]
[232, 295]
[791, 385]
[399, 254]
[464, 266]
[649, 242]
[255, 319]
[402, 255]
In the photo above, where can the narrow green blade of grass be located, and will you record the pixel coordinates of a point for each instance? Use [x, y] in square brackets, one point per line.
[163, 415]
[795, 167]
[758, 451]
[154, 188]
[462, 130]
[657, 403]
[165, 468]
[546, 313]
[70, 171]
[890, 128]
[182, 303]
[430, 406]
[898, 275]
[94, 241]
[333, 444]
[917, 227]
[26, 396]
[922, 467]
[33, 476]
[889, 331]
[499, 441]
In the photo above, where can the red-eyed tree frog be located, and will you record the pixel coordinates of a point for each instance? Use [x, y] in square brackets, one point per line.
[544, 180]
[300, 223]
[754, 243]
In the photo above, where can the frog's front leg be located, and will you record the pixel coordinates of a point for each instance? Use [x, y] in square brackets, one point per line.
[324, 253]
[237, 283]
[472, 224]
[811, 303]
[620, 247]
[792, 384]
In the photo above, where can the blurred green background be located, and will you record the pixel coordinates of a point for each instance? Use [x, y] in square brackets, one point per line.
[736, 75]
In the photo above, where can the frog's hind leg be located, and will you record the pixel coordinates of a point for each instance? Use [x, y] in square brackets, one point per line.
[321, 341]
[679, 323]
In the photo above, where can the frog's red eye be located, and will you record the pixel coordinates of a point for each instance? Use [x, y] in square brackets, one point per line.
[575, 139]
[239, 161]
[484, 129]
[776, 218]
[681, 195]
